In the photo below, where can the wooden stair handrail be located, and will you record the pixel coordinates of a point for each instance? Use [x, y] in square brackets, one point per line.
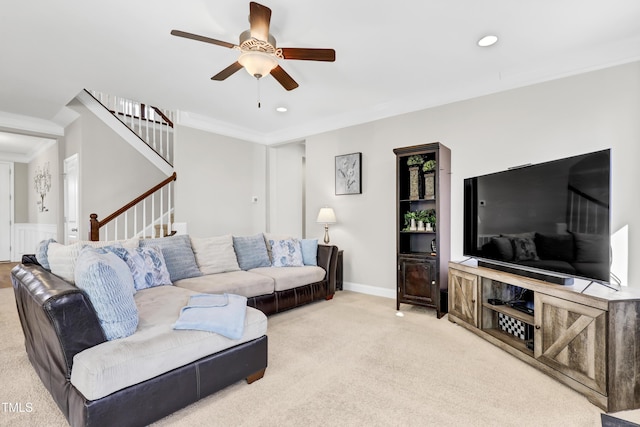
[161, 114]
[94, 224]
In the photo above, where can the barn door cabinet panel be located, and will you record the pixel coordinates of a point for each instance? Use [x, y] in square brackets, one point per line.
[463, 296]
[585, 337]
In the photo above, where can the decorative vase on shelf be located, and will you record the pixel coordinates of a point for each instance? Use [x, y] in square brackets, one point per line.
[421, 226]
[413, 227]
[429, 185]
[433, 246]
[428, 227]
[414, 182]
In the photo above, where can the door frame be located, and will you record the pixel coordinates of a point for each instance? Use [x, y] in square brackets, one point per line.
[11, 207]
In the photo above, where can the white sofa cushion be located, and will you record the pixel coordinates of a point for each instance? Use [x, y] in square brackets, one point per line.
[241, 282]
[155, 348]
[62, 258]
[291, 277]
[215, 254]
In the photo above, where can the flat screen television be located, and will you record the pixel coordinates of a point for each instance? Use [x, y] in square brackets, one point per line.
[548, 221]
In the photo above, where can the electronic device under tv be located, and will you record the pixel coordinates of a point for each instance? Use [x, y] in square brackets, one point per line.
[548, 221]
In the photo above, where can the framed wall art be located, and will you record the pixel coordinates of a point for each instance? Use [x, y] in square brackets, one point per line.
[349, 174]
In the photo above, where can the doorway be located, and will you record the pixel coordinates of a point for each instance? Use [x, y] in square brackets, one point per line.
[71, 231]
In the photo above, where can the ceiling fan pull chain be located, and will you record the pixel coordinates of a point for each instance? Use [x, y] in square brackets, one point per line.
[258, 80]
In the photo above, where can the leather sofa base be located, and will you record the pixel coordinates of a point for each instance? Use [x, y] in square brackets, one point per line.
[151, 400]
[290, 298]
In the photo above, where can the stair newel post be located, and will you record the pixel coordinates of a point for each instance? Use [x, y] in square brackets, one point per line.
[94, 228]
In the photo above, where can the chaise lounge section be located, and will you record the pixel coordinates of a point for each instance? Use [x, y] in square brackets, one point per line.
[134, 380]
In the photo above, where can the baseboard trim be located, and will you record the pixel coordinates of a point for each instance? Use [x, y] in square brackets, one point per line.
[370, 290]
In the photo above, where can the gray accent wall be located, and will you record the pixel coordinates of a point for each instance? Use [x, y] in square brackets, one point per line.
[541, 122]
[218, 176]
[21, 192]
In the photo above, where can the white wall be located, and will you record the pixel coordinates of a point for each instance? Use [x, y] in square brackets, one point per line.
[564, 117]
[286, 189]
[217, 178]
[51, 199]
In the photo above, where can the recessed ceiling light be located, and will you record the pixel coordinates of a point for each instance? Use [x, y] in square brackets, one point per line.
[488, 40]
[281, 109]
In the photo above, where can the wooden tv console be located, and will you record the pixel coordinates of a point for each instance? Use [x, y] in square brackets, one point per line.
[588, 340]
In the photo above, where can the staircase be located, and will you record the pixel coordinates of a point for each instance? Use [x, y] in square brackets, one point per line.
[151, 124]
[150, 130]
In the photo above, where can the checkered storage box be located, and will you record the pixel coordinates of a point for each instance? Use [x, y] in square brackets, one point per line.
[515, 327]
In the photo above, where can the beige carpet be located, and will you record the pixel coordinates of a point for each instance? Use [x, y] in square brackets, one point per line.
[347, 362]
[5, 273]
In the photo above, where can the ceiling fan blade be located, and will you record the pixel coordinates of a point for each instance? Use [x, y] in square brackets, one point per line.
[283, 78]
[202, 38]
[227, 71]
[259, 19]
[309, 54]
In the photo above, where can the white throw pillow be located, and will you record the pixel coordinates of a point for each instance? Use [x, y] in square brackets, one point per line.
[62, 258]
[215, 254]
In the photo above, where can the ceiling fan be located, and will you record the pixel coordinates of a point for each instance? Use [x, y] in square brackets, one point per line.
[258, 52]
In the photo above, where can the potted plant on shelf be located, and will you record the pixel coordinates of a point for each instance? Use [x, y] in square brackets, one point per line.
[410, 221]
[431, 219]
[415, 162]
[422, 217]
[429, 169]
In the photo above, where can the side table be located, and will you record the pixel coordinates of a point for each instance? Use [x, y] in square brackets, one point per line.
[339, 271]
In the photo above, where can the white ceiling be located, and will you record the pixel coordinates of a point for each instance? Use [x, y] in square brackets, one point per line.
[21, 148]
[391, 58]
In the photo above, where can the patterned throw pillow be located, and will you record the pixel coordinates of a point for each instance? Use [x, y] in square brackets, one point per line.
[524, 249]
[215, 254]
[178, 255]
[107, 281]
[146, 264]
[251, 252]
[42, 253]
[309, 251]
[286, 253]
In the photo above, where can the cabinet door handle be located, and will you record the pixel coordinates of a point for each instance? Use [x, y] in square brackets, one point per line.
[537, 326]
[433, 282]
[473, 301]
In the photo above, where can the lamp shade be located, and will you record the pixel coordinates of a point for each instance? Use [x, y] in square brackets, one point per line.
[326, 216]
[258, 64]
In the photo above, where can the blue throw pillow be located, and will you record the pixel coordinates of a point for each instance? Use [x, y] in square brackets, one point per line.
[286, 253]
[42, 253]
[309, 251]
[107, 281]
[251, 252]
[178, 255]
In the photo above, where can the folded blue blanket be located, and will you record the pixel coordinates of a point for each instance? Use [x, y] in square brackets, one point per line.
[220, 313]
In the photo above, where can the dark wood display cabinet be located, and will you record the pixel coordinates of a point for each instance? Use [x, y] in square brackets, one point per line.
[423, 200]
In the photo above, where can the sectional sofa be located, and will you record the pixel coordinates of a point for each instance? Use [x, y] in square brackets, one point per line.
[136, 369]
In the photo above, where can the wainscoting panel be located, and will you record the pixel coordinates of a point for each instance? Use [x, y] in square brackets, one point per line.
[26, 237]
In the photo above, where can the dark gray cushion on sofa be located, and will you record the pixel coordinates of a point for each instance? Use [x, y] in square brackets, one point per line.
[591, 247]
[504, 247]
[178, 255]
[251, 251]
[555, 246]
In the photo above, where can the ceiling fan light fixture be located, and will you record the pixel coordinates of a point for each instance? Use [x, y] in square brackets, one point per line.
[257, 64]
